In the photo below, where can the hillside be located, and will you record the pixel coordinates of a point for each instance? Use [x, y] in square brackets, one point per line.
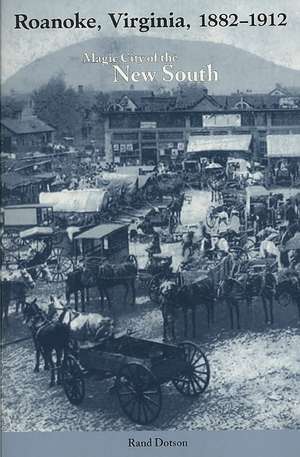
[238, 69]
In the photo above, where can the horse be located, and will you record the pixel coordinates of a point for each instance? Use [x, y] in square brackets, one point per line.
[14, 286]
[269, 249]
[83, 326]
[47, 336]
[174, 297]
[175, 208]
[245, 286]
[106, 277]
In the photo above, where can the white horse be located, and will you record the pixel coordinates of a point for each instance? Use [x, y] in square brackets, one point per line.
[269, 249]
[83, 326]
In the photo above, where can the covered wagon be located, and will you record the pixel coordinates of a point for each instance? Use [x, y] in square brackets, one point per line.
[120, 188]
[76, 201]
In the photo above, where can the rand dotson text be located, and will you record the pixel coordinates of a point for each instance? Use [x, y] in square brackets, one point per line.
[156, 442]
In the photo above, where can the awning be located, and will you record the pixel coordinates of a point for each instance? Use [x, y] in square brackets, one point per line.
[219, 143]
[283, 146]
[100, 231]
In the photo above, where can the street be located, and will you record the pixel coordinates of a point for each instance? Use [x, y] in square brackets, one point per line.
[255, 372]
[254, 385]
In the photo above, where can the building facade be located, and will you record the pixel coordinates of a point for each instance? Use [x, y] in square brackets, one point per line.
[143, 129]
[27, 134]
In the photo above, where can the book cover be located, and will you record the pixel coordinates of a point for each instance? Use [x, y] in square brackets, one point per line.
[150, 228]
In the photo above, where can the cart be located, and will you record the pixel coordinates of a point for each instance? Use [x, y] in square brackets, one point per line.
[39, 250]
[139, 368]
[22, 217]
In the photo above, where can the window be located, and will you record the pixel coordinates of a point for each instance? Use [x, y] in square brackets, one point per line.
[242, 105]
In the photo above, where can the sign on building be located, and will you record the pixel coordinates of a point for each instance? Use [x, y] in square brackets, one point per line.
[148, 125]
[221, 120]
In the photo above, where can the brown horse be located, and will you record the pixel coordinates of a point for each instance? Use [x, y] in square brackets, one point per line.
[106, 277]
[244, 288]
[174, 297]
[47, 336]
[14, 287]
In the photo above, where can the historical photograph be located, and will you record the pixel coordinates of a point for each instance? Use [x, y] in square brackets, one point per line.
[150, 223]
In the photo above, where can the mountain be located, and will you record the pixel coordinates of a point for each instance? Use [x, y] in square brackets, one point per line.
[237, 69]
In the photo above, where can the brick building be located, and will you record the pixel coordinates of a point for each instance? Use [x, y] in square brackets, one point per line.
[142, 128]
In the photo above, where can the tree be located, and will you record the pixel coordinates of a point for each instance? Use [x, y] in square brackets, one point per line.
[11, 106]
[58, 105]
[187, 88]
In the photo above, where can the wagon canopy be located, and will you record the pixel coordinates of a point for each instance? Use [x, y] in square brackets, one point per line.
[116, 183]
[76, 201]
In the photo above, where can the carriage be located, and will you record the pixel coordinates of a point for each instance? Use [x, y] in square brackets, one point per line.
[30, 241]
[40, 250]
[140, 367]
[103, 242]
[17, 218]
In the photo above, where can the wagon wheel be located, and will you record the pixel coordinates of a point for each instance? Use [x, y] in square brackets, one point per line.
[20, 243]
[59, 265]
[211, 217]
[9, 241]
[11, 262]
[36, 246]
[153, 288]
[195, 378]
[132, 259]
[139, 393]
[285, 299]
[72, 380]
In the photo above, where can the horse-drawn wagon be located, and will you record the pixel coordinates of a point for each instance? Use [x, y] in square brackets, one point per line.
[21, 217]
[139, 368]
[40, 252]
[103, 252]
[103, 242]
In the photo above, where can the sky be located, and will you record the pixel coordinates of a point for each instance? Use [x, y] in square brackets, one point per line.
[278, 44]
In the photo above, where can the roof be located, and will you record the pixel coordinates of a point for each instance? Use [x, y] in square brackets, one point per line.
[283, 145]
[30, 164]
[28, 205]
[24, 126]
[12, 180]
[225, 102]
[134, 95]
[100, 231]
[200, 143]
